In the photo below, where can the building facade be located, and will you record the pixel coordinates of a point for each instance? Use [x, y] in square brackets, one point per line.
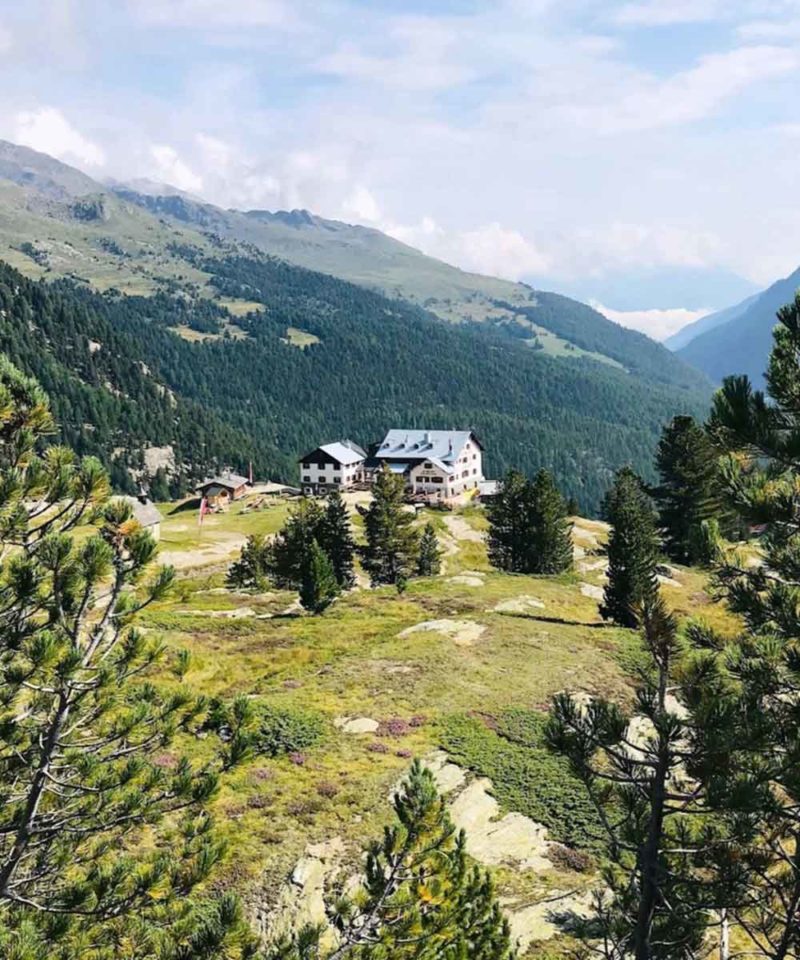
[222, 490]
[333, 466]
[437, 465]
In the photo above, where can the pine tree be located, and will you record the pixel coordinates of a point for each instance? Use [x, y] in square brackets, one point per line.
[429, 560]
[762, 478]
[632, 550]
[335, 536]
[392, 545]
[80, 717]
[508, 535]
[672, 860]
[688, 495]
[250, 571]
[549, 548]
[419, 899]
[289, 551]
[319, 586]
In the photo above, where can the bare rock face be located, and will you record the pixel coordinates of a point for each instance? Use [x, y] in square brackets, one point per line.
[513, 839]
[463, 633]
[301, 901]
[592, 591]
[356, 724]
[519, 605]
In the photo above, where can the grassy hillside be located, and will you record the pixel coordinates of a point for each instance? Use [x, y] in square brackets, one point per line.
[458, 669]
[57, 222]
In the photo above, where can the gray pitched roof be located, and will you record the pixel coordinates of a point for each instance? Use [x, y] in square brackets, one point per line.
[444, 445]
[343, 451]
[230, 480]
[146, 513]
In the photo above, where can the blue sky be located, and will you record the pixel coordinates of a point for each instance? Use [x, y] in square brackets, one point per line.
[641, 154]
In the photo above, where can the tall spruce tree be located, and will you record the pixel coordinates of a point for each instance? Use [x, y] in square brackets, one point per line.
[429, 560]
[688, 495]
[632, 550]
[335, 536]
[390, 553]
[549, 548]
[319, 586]
[291, 547]
[81, 720]
[419, 899]
[528, 527]
[507, 539]
[762, 477]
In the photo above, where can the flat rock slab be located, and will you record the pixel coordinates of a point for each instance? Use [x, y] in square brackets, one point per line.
[448, 776]
[513, 839]
[466, 580]
[592, 590]
[463, 633]
[518, 605]
[668, 581]
[356, 724]
[461, 530]
[587, 566]
[537, 920]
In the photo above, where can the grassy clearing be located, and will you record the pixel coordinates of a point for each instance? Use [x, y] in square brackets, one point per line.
[300, 338]
[352, 662]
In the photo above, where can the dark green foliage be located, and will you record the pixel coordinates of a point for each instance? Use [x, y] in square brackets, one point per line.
[335, 536]
[526, 776]
[528, 527]
[550, 546]
[252, 568]
[671, 860]
[287, 555]
[688, 494]
[762, 475]
[632, 550]
[81, 720]
[429, 559]
[392, 546]
[318, 585]
[420, 900]
[264, 400]
[250, 727]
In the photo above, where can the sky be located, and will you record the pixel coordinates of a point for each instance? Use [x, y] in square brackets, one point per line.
[639, 154]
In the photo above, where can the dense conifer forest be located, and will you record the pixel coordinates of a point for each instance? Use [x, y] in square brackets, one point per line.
[122, 379]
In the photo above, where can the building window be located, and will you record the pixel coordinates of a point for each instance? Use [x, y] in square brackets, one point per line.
[337, 479]
[306, 479]
[337, 466]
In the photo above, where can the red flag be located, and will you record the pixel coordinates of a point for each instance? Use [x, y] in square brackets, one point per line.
[203, 511]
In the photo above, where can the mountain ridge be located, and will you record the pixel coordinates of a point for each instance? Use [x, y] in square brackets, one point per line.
[742, 344]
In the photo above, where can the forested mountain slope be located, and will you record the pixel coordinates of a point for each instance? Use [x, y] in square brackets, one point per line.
[121, 379]
[57, 222]
[743, 343]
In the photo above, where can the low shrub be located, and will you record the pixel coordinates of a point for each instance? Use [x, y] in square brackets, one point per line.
[526, 776]
[377, 747]
[393, 727]
[263, 729]
[568, 858]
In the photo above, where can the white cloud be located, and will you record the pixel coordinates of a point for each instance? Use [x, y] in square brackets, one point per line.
[491, 249]
[686, 96]
[658, 324]
[6, 40]
[202, 14]
[361, 205]
[419, 53]
[662, 13]
[47, 129]
[172, 170]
